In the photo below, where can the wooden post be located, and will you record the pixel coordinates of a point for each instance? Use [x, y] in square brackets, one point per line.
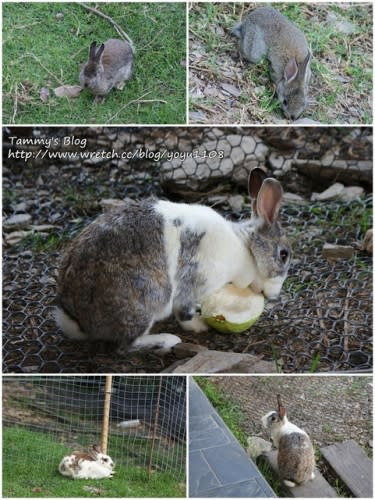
[155, 428]
[106, 411]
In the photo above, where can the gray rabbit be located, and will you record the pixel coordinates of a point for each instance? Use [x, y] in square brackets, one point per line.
[149, 259]
[109, 66]
[295, 452]
[266, 32]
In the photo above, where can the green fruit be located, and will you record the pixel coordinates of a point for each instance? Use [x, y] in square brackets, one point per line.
[232, 309]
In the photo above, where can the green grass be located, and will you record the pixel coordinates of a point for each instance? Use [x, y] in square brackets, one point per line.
[41, 51]
[274, 482]
[30, 462]
[229, 411]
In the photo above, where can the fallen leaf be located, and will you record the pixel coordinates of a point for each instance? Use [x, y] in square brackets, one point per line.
[68, 91]
[44, 94]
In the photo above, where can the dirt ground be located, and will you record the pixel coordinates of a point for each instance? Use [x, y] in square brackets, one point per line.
[330, 409]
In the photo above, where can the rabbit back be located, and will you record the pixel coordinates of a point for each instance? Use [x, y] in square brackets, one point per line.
[118, 60]
[113, 279]
[295, 458]
[266, 32]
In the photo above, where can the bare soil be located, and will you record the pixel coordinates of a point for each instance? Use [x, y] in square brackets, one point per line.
[329, 408]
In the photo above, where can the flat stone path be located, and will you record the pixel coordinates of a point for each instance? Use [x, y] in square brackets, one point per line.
[218, 465]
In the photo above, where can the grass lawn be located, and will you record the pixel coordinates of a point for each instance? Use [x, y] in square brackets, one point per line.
[41, 50]
[222, 90]
[30, 461]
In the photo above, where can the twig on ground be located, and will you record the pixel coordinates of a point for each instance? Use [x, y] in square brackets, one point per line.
[15, 105]
[78, 52]
[30, 54]
[140, 100]
[119, 30]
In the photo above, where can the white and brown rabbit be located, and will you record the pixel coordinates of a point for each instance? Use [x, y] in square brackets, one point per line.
[266, 32]
[109, 66]
[139, 264]
[90, 465]
[295, 456]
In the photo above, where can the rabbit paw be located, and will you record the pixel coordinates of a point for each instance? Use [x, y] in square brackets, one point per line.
[196, 324]
[99, 99]
[120, 85]
[161, 343]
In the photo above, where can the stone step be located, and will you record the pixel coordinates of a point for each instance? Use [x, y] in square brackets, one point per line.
[317, 488]
[351, 464]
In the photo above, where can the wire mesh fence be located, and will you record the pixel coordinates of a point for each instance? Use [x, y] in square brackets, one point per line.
[323, 318]
[48, 417]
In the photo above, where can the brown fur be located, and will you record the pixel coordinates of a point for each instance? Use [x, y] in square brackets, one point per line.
[295, 458]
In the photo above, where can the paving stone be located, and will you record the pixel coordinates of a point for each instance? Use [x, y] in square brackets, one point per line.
[245, 489]
[208, 439]
[229, 463]
[218, 465]
[201, 476]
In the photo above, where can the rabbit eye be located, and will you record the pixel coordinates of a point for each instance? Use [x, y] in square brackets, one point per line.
[284, 254]
[105, 459]
[285, 102]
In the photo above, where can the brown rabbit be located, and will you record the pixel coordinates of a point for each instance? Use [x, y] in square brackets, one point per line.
[109, 65]
[295, 457]
[266, 32]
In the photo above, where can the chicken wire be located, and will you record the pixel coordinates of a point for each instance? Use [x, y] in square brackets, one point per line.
[323, 318]
[61, 414]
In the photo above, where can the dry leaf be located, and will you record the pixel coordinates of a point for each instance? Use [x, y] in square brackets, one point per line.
[68, 91]
[231, 89]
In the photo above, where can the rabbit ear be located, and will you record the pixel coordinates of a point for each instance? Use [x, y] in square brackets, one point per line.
[94, 451]
[304, 65]
[282, 412]
[92, 50]
[99, 52]
[256, 178]
[269, 200]
[290, 70]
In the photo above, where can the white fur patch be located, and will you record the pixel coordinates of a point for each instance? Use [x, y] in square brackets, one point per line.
[272, 287]
[160, 343]
[196, 325]
[290, 484]
[68, 325]
[222, 255]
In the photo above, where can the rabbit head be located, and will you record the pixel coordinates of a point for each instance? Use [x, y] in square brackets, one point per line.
[292, 89]
[96, 455]
[92, 71]
[278, 425]
[266, 239]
